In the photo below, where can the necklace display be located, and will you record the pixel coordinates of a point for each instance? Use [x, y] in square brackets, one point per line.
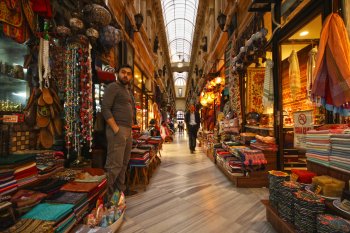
[78, 105]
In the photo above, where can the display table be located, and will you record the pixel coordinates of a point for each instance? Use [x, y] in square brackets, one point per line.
[275, 220]
[257, 179]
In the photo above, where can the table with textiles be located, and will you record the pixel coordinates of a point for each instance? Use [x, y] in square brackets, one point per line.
[144, 160]
[58, 203]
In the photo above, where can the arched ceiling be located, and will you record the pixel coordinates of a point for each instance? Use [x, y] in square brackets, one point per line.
[179, 19]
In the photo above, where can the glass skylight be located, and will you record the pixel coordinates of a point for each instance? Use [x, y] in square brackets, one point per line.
[180, 18]
[180, 78]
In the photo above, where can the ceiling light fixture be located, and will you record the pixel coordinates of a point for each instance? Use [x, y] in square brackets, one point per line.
[180, 64]
[304, 33]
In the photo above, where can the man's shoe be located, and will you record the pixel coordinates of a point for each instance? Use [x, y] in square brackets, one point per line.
[192, 152]
[130, 193]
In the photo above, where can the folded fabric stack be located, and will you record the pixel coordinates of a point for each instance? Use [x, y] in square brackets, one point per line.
[307, 206]
[286, 201]
[49, 162]
[235, 168]
[49, 186]
[8, 183]
[32, 225]
[24, 200]
[78, 200]
[330, 223]
[24, 167]
[318, 146]
[251, 157]
[92, 189]
[139, 157]
[340, 152]
[61, 214]
[276, 178]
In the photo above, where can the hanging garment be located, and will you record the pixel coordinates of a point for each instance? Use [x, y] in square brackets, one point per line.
[268, 86]
[332, 71]
[42, 8]
[346, 14]
[311, 64]
[294, 75]
[13, 21]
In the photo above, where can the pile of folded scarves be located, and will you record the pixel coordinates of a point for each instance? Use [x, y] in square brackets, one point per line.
[340, 156]
[139, 157]
[276, 178]
[24, 169]
[330, 223]
[307, 206]
[8, 183]
[63, 202]
[286, 200]
[49, 162]
[318, 146]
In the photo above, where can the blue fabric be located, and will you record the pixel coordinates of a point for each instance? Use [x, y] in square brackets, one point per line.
[49, 212]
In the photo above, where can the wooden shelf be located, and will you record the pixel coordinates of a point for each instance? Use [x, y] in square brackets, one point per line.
[332, 172]
[258, 127]
[274, 219]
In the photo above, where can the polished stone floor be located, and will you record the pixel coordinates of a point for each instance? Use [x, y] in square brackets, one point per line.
[188, 193]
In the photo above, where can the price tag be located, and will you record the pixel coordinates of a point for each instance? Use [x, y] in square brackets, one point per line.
[294, 177]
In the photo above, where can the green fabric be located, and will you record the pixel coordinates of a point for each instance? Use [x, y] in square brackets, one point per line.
[49, 212]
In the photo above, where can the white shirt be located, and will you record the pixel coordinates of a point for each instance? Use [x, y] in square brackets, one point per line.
[192, 119]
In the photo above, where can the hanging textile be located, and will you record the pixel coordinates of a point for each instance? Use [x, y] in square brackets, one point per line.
[332, 71]
[255, 86]
[311, 64]
[268, 86]
[346, 14]
[13, 21]
[294, 75]
[235, 95]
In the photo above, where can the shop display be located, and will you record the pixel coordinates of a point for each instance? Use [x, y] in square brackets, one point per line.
[276, 178]
[286, 200]
[306, 208]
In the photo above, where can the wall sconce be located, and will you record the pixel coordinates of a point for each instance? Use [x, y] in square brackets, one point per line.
[260, 5]
[138, 21]
[222, 21]
[204, 46]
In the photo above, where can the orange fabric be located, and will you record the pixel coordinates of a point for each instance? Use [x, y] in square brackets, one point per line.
[332, 69]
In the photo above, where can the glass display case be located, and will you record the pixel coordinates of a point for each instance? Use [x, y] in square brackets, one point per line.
[14, 90]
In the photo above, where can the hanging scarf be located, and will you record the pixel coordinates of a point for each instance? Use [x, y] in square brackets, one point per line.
[268, 85]
[294, 75]
[346, 14]
[311, 64]
[332, 71]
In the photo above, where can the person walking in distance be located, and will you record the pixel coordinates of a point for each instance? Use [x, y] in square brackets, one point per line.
[192, 120]
[118, 110]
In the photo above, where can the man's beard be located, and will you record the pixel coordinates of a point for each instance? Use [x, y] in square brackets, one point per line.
[124, 82]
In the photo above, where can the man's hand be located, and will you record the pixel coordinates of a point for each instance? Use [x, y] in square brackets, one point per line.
[111, 122]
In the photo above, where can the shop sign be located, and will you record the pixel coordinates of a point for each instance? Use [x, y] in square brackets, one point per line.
[10, 118]
[303, 122]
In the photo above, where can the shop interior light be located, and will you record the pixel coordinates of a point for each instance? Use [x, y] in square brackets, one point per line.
[304, 33]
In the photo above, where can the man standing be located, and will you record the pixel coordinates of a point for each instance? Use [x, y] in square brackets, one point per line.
[117, 109]
[192, 121]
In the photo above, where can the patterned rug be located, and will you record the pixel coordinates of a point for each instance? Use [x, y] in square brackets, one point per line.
[255, 87]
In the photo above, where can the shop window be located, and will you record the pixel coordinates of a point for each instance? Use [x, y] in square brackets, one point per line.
[300, 113]
[14, 90]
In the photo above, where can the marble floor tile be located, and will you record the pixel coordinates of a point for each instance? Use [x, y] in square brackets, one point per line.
[188, 193]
